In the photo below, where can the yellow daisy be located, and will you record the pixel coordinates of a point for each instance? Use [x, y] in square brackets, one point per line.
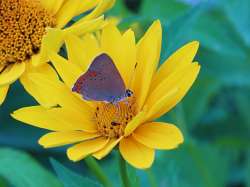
[25, 35]
[88, 125]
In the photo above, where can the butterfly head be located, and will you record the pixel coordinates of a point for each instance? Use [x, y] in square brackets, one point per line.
[129, 93]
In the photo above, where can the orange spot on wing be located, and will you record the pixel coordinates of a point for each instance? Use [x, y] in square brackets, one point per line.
[92, 74]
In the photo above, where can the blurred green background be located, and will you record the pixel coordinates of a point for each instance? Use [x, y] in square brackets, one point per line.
[214, 116]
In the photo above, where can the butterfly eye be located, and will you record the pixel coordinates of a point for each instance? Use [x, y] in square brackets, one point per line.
[129, 93]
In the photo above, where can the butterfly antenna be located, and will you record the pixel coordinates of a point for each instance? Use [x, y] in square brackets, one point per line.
[117, 112]
[132, 77]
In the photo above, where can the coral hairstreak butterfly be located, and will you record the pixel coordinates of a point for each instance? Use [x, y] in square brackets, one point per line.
[102, 82]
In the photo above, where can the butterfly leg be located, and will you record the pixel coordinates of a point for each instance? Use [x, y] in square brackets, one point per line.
[109, 106]
[117, 114]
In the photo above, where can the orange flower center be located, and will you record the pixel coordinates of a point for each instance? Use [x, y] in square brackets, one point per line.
[111, 119]
[22, 26]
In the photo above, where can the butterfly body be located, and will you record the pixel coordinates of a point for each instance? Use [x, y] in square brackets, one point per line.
[102, 82]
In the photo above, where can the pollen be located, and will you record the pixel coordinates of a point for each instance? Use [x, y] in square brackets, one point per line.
[111, 119]
[22, 26]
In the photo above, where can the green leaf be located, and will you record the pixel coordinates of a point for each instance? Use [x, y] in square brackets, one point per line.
[173, 36]
[230, 69]
[69, 178]
[119, 10]
[20, 133]
[151, 178]
[215, 32]
[223, 123]
[197, 101]
[3, 182]
[163, 9]
[242, 103]
[248, 170]
[193, 164]
[239, 14]
[134, 178]
[21, 170]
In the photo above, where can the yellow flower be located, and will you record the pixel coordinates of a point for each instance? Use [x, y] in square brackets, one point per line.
[25, 35]
[90, 125]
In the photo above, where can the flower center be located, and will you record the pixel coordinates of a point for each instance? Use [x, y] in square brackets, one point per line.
[22, 26]
[111, 119]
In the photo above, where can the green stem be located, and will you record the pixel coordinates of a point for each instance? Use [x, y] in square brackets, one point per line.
[97, 171]
[123, 172]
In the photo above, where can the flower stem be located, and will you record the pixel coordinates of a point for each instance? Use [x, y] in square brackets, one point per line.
[97, 171]
[123, 172]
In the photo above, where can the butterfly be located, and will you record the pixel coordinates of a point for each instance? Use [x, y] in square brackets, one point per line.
[102, 82]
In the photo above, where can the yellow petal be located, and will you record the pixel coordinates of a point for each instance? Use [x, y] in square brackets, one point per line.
[127, 62]
[136, 154]
[103, 6]
[81, 150]
[52, 5]
[160, 103]
[91, 48]
[69, 72]
[37, 94]
[86, 5]
[111, 42]
[56, 139]
[67, 12]
[148, 54]
[3, 93]
[45, 69]
[169, 83]
[32, 88]
[11, 73]
[84, 27]
[54, 119]
[60, 94]
[114, 20]
[121, 48]
[182, 80]
[111, 39]
[180, 58]
[107, 149]
[51, 42]
[78, 50]
[134, 123]
[38, 116]
[158, 135]
[77, 119]
[39, 58]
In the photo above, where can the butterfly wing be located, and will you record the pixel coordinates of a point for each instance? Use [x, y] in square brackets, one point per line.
[102, 81]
